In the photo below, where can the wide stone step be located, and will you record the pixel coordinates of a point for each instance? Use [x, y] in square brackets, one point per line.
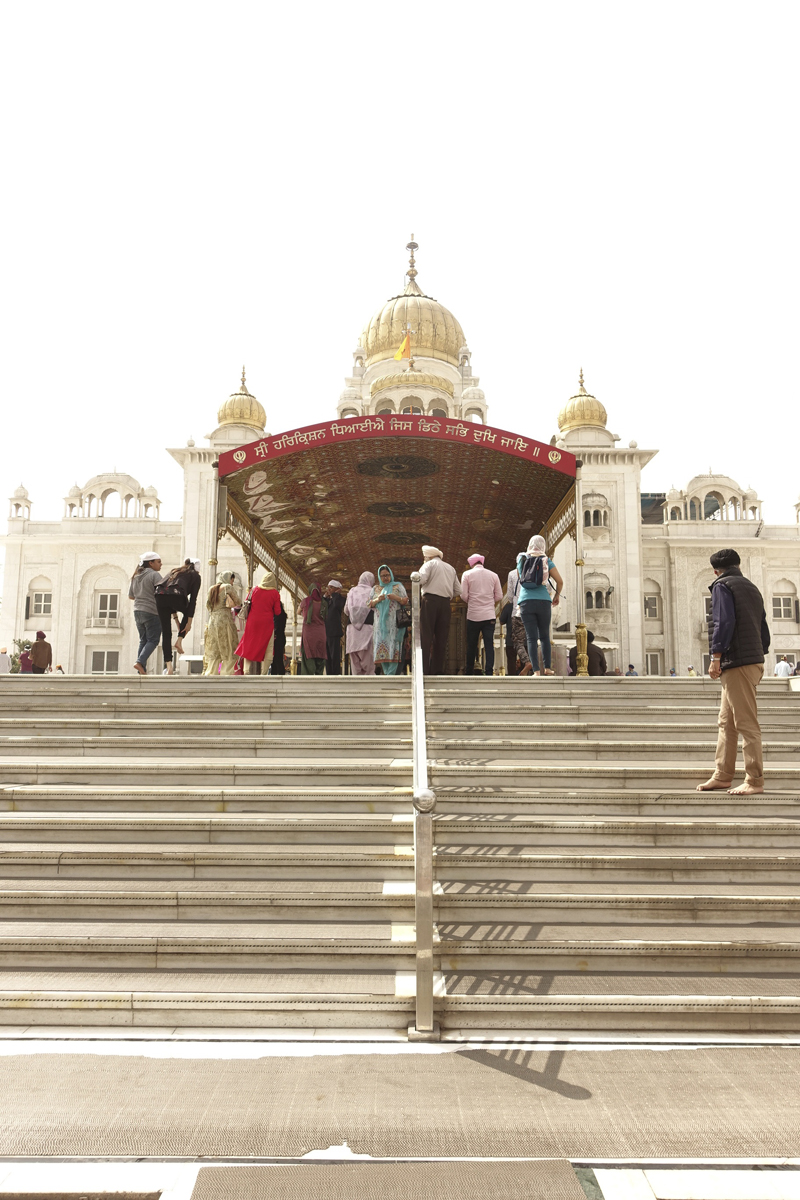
[468, 801]
[94, 771]
[200, 750]
[603, 947]
[345, 900]
[557, 732]
[376, 944]
[361, 724]
[525, 750]
[300, 799]
[492, 772]
[146, 861]
[657, 864]
[384, 999]
[493, 831]
[323, 902]
[285, 829]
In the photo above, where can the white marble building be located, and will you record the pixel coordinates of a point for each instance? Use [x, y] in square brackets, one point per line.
[70, 576]
[646, 554]
[646, 573]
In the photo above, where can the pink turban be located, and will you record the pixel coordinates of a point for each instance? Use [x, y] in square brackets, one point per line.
[475, 558]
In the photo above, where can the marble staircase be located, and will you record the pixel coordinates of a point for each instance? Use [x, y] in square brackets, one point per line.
[188, 852]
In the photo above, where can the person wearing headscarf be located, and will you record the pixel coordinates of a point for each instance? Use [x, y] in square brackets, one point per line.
[25, 664]
[387, 640]
[221, 635]
[482, 591]
[333, 627]
[313, 646]
[540, 588]
[358, 641]
[279, 645]
[257, 644]
[141, 591]
[439, 585]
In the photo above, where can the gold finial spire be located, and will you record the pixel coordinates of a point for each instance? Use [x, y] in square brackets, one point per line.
[580, 381]
[412, 271]
[243, 388]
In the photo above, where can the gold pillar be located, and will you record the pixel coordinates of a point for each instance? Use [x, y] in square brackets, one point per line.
[581, 657]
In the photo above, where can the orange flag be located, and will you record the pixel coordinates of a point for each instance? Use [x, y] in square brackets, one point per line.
[405, 349]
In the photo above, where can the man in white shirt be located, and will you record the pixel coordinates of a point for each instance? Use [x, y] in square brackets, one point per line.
[482, 591]
[439, 585]
[5, 661]
[783, 669]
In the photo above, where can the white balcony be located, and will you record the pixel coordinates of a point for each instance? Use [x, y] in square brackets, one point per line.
[103, 623]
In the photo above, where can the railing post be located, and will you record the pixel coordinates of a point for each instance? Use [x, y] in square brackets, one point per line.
[425, 1028]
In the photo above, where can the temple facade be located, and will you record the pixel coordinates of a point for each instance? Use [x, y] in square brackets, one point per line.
[643, 588]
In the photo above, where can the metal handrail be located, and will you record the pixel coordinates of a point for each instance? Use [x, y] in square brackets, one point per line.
[424, 799]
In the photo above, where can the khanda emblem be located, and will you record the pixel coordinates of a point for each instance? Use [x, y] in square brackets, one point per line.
[554, 456]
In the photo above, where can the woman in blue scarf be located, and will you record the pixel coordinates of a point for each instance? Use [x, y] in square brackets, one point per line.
[387, 640]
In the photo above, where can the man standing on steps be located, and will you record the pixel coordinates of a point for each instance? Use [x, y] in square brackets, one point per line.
[783, 669]
[333, 626]
[439, 585]
[738, 640]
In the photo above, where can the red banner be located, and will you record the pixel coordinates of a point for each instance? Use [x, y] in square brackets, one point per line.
[349, 429]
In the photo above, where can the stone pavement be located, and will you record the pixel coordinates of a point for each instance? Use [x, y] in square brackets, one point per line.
[633, 1104]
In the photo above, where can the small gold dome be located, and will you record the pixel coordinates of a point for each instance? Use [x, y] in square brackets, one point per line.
[582, 409]
[409, 380]
[242, 409]
[436, 332]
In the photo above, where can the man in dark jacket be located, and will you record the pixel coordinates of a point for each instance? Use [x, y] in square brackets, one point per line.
[738, 638]
[333, 626]
[597, 660]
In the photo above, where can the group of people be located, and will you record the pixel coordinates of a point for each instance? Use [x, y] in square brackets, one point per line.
[533, 589]
[249, 637]
[253, 646]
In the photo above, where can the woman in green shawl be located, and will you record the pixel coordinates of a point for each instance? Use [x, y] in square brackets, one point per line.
[387, 640]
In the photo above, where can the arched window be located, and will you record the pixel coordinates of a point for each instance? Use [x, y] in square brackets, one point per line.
[712, 507]
[652, 599]
[475, 416]
[411, 410]
[599, 599]
[605, 518]
[384, 412]
[349, 412]
[596, 517]
[587, 518]
[693, 512]
[589, 600]
[438, 412]
[675, 514]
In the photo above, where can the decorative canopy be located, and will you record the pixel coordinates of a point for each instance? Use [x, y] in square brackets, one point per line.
[345, 496]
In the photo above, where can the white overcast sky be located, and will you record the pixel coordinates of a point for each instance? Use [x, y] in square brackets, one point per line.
[186, 187]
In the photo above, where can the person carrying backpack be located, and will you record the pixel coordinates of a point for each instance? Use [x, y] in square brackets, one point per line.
[540, 589]
[177, 594]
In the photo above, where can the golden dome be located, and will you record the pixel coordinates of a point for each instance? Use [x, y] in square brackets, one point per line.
[242, 409]
[581, 409]
[409, 380]
[436, 332]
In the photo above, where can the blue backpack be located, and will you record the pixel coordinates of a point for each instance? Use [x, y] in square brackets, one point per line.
[534, 571]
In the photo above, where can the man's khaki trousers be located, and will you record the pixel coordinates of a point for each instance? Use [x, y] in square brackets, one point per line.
[738, 714]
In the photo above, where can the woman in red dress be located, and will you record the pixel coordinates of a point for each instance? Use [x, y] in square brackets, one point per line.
[258, 639]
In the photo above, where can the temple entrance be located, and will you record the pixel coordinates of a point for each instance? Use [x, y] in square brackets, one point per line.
[347, 496]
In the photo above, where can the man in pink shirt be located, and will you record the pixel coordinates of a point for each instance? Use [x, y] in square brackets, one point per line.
[482, 592]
